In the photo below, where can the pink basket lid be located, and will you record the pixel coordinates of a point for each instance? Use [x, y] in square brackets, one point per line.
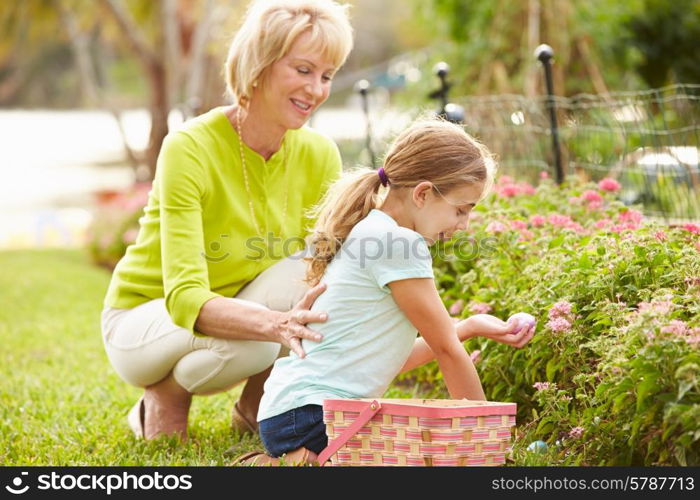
[436, 408]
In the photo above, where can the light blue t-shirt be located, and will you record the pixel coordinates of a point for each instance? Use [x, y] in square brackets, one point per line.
[367, 338]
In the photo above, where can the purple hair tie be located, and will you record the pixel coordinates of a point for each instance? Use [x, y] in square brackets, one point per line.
[383, 177]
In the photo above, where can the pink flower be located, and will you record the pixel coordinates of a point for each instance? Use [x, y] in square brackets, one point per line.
[541, 386]
[480, 308]
[561, 308]
[595, 205]
[106, 241]
[618, 228]
[573, 200]
[526, 188]
[496, 227]
[130, 236]
[537, 220]
[630, 216]
[526, 235]
[576, 432]
[660, 235]
[518, 224]
[544, 175]
[697, 246]
[559, 220]
[692, 228]
[675, 327]
[656, 306]
[577, 228]
[693, 337]
[602, 223]
[559, 325]
[590, 195]
[505, 179]
[457, 307]
[508, 191]
[610, 185]
[476, 356]
[506, 188]
[134, 203]
[692, 281]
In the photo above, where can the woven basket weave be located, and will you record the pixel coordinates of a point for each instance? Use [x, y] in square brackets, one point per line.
[421, 432]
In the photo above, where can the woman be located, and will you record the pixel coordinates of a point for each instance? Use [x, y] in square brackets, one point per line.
[229, 196]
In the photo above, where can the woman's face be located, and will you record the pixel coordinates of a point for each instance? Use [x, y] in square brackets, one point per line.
[293, 87]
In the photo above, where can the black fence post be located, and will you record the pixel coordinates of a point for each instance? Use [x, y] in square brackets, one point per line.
[450, 111]
[362, 87]
[544, 54]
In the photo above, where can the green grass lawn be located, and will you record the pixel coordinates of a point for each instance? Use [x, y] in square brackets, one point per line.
[61, 402]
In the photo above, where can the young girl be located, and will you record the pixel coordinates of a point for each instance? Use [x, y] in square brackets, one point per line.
[370, 246]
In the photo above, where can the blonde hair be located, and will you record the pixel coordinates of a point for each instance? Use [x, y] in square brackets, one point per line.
[269, 29]
[429, 150]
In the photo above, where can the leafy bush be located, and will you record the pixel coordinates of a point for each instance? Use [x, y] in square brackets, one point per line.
[611, 376]
[116, 224]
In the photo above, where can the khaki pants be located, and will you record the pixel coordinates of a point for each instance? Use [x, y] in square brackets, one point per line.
[144, 345]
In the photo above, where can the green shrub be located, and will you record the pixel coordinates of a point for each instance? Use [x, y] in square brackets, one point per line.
[611, 376]
[116, 224]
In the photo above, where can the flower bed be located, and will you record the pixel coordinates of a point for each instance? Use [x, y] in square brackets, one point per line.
[611, 376]
[116, 223]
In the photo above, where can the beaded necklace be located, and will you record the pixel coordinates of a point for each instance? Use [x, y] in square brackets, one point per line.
[245, 178]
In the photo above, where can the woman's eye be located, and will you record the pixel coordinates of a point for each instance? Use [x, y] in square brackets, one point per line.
[303, 70]
[327, 78]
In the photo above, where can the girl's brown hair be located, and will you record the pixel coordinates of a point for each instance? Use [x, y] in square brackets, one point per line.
[429, 150]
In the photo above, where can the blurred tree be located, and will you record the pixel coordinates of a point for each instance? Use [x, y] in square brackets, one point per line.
[490, 43]
[169, 39]
[25, 54]
[151, 56]
[667, 36]
[81, 32]
[76, 64]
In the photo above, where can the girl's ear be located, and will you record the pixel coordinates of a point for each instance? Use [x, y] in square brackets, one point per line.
[421, 193]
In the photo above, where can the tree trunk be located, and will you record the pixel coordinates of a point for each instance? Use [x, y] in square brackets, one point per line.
[154, 68]
[591, 67]
[198, 62]
[88, 76]
[79, 45]
[159, 115]
[13, 81]
[172, 52]
[533, 40]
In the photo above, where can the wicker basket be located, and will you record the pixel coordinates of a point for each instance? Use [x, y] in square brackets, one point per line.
[419, 432]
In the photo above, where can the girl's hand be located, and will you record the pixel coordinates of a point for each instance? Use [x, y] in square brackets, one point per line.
[290, 326]
[515, 332]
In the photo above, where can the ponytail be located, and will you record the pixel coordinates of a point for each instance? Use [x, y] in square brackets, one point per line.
[345, 204]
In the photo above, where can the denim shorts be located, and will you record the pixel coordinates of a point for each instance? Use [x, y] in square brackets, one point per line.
[293, 429]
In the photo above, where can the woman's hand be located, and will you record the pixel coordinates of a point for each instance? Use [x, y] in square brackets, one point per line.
[289, 328]
[512, 333]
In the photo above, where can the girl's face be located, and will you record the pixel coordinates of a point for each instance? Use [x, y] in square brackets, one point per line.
[441, 215]
[295, 86]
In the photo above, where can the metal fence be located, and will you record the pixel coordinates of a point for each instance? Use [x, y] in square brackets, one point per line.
[647, 140]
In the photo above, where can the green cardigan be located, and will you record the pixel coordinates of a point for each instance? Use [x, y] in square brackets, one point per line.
[197, 240]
